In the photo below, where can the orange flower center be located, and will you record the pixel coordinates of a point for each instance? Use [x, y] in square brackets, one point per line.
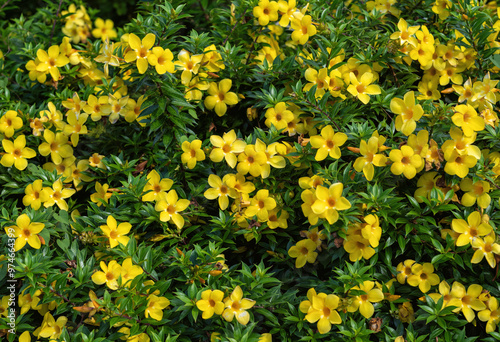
[304, 251]
[113, 234]
[157, 188]
[211, 302]
[331, 202]
[26, 232]
[54, 146]
[226, 148]
[109, 276]
[235, 306]
[16, 153]
[171, 209]
[326, 311]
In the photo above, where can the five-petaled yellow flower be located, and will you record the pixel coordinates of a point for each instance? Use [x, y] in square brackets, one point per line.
[16, 153]
[328, 143]
[116, 233]
[236, 306]
[25, 232]
[140, 50]
[210, 303]
[220, 96]
[192, 153]
[169, 207]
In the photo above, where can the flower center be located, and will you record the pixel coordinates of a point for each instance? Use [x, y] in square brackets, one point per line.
[26, 232]
[113, 234]
[235, 306]
[226, 148]
[211, 302]
[331, 202]
[329, 144]
[326, 311]
[16, 153]
[109, 276]
[171, 209]
[304, 251]
[54, 146]
[405, 160]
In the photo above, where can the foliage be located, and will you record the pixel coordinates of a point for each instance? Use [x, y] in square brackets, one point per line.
[250, 170]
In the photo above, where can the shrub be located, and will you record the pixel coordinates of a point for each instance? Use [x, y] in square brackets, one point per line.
[249, 171]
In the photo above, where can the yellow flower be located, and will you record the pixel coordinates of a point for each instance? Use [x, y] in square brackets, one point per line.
[260, 205]
[238, 183]
[323, 311]
[51, 61]
[236, 306]
[304, 251]
[358, 247]
[96, 160]
[466, 118]
[328, 143]
[279, 116]
[56, 145]
[287, 9]
[423, 276]
[404, 270]
[161, 59]
[129, 271]
[109, 274]
[16, 153]
[370, 158]
[56, 195]
[156, 186]
[189, 65]
[274, 221]
[101, 195]
[212, 60]
[51, 328]
[371, 230]
[441, 7]
[470, 230]
[210, 303]
[266, 11]
[319, 79]
[405, 33]
[363, 302]
[107, 56]
[405, 161]
[219, 189]
[104, 29]
[140, 51]
[169, 207]
[409, 113]
[34, 195]
[119, 107]
[25, 232]
[75, 127]
[116, 234]
[425, 184]
[156, 306]
[485, 248]
[97, 108]
[475, 191]
[251, 161]
[303, 28]
[362, 88]
[459, 164]
[329, 201]
[226, 148]
[192, 153]
[444, 292]
[491, 315]
[466, 301]
[9, 122]
[220, 96]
